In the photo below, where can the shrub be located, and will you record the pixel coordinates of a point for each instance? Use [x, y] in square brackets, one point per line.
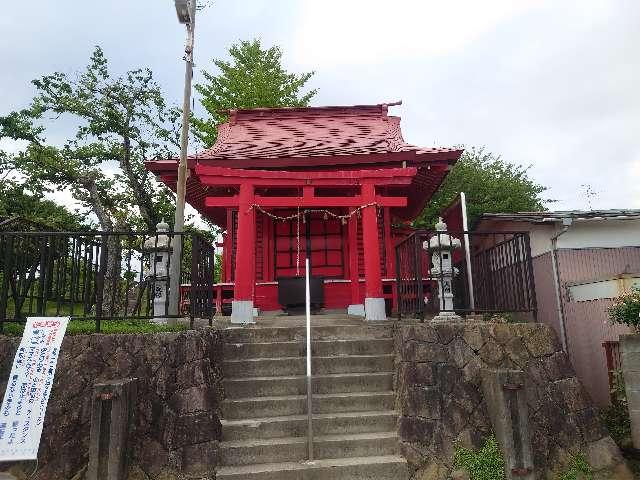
[616, 415]
[626, 309]
[485, 464]
[579, 469]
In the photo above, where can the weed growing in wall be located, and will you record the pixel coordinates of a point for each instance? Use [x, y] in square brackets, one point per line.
[484, 464]
[579, 469]
[616, 416]
[488, 463]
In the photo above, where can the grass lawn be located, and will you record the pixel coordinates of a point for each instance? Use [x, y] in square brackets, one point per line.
[79, 327]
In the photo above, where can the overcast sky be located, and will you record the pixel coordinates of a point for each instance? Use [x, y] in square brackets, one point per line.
[552, 84]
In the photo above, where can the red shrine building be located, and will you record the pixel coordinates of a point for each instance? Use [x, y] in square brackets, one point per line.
[336, 185]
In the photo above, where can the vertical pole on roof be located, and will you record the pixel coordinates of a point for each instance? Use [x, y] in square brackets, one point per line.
[309, 390]
[178, 224]
[467, 249]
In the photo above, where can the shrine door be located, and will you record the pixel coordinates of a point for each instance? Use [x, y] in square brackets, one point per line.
[320, 239]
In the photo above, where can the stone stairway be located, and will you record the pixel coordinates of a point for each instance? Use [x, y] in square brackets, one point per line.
[264, 426]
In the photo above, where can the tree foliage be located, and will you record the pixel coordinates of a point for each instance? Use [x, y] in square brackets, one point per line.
[20, 210]
[491, 185]
[253, 78]
[120, 122]
[626, 308]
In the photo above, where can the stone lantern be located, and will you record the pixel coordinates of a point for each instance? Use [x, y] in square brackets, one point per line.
[441, 246]
[159, 250]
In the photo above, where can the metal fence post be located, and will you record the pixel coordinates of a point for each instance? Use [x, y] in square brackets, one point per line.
[4, 293]
[533, 300]
[398, 280]
[420, 307]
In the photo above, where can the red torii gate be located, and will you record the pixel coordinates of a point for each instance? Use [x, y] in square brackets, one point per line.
[367, 200]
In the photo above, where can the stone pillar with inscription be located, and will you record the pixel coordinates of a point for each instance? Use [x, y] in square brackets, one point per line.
[505, 397]
[159, 250]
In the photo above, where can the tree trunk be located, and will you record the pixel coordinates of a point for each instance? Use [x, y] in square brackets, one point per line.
[111, 296]
[111, 255]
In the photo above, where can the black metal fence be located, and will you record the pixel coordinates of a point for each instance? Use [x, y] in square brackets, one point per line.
[102, 275]
[501, 277]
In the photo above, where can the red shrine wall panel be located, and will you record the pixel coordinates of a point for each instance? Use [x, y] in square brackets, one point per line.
[289, 248]
[259, 248]
[232, 220]
[261, 245]
[382, 244]
[322, 237]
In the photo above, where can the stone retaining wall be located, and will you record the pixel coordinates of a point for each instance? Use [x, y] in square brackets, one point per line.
[440, 400]
[177, 427]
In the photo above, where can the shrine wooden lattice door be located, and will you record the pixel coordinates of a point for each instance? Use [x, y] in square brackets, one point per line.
[321, 239]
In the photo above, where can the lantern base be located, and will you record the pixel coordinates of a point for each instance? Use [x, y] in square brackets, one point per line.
[446, 317]
[242, 311]
[374, 309]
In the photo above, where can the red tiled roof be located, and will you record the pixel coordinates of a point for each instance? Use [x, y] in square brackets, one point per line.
[271, 133]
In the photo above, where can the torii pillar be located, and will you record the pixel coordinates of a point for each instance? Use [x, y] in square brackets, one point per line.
[242, 304]
[374, 307]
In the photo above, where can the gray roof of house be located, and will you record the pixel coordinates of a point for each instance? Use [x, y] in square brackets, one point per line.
[557, 216]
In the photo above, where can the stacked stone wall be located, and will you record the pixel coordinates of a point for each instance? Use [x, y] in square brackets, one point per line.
[440, 400]
[177, 426]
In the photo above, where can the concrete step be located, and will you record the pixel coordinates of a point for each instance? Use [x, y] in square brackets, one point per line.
[264, 367]
[273, 450]
[259, 407]
[355, 346]
[289, 449]
[256, 334]
[390, 467]
[356, 445]
[297, 384]
[238, 351]
[296, 425]
[287, 366]
[324, 348]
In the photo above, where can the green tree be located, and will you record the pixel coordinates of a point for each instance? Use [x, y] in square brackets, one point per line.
[491, 185]
[121, 121]
[21, 210]
[253, 78]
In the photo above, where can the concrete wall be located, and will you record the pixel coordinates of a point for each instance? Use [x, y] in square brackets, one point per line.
[603, 233]
[587, 323]
[439, 371]
[588, 326]
[546, 292]
[177, 427]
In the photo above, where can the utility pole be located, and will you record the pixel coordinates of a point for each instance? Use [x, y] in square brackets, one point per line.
[186, 10]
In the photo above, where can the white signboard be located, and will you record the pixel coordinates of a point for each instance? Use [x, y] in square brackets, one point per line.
[29, 386]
